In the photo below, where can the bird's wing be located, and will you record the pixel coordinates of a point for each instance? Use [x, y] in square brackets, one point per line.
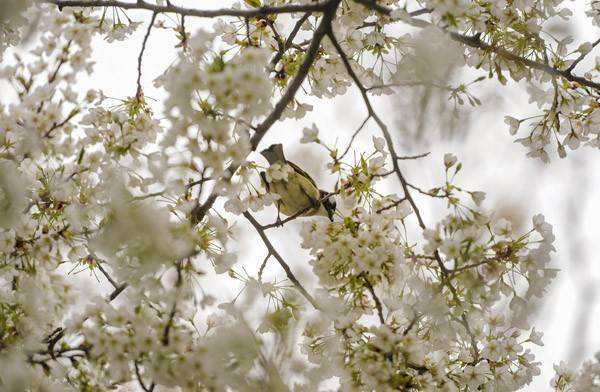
[302, 172]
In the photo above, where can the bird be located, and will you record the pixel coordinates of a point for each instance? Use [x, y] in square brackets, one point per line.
[298, 192]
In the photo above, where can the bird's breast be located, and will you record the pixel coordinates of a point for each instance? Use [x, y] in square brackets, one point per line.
[296, 194]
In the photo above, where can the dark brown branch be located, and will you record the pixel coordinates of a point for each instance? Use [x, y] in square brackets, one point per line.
[104, 272]
[62, 62]
[118, 287]
[386, 134]
[52, 339]
[309, 58]
[70, 353]
[117, 291]
[172, 9]
[410, 325]
[476, 42]
[421, 11]
[198, 182]
[288, 272]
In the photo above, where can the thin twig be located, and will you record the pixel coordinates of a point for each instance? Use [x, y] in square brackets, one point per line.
[369, 287]
[140, 381]
[54, 126]
[360, 128]
[118, 287]
[262, 267]
[149, 195]
[426, 193]
[408, 84]
[469, 266]
[290, 39]
[138, 93]
[581, 57]
[168, 326]
[408, 157]
[105, 273]
[394, 204]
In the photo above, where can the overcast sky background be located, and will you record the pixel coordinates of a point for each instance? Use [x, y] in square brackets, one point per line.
[565, 191]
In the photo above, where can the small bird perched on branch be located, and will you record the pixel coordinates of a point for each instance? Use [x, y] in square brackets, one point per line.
[298, 193]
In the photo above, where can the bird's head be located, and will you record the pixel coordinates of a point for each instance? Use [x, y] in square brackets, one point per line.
[274, 153]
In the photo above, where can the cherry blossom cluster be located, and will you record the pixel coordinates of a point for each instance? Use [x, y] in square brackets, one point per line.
[440, 310]
[586, 379]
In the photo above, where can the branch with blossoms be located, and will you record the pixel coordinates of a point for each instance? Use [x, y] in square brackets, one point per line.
[331, 6]
[522, 55]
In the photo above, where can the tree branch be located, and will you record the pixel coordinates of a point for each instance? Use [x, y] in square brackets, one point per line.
[390, 144]
[371, 112]
[288, 272]
[172, 9]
